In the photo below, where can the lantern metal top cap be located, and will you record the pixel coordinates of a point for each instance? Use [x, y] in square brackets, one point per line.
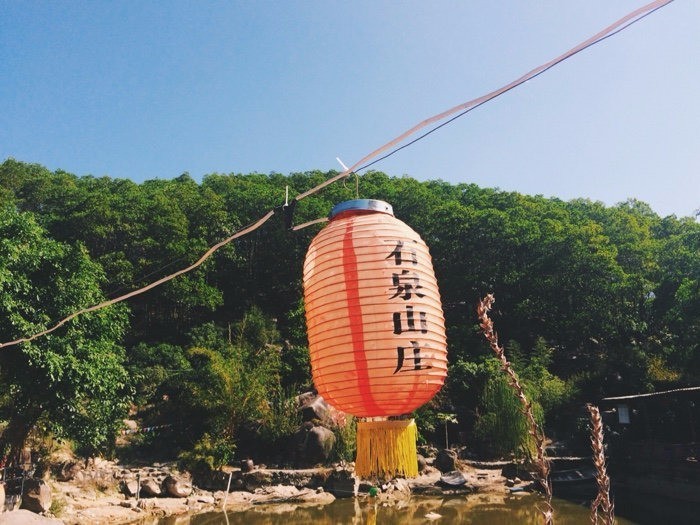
[362, 205]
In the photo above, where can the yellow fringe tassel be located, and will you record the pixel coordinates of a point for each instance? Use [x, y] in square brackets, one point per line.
[386, 449]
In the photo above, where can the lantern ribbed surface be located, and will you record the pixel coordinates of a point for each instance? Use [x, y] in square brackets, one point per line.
[374, 319]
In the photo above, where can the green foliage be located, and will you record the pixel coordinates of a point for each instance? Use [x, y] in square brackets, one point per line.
[256, 331]
[279, 416]
[74, 378]
[226, 386]
[151, 367]
[502, 427]
[345, 447]
[208, 454]
[550, 391]
[592, 300]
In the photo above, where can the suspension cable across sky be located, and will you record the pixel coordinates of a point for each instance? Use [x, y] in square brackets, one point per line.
[447, 116]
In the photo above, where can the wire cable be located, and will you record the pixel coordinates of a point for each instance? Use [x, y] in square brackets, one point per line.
[550, 65]
[170, 277]
[468, 106]
[454, 113]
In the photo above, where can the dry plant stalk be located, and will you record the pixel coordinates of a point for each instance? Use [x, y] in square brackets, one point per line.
[542, 463]
[602, 500]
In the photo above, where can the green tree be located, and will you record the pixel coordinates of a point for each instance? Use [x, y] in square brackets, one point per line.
[501, 427]
[230, 383]
[74, 378]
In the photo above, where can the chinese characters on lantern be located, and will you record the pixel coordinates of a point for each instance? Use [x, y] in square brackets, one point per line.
[405, 285]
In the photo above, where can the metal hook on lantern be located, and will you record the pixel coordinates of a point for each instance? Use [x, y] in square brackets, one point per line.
[357, 177]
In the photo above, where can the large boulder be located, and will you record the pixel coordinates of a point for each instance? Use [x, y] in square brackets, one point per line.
[314, 407]
[422, 464]
[36, 496]
[129, 487]
[68, 470]
[314, 444]
[446, 460]
[176, 488]
[150, 488]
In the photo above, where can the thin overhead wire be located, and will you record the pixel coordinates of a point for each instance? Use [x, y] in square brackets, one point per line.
[626, 21]
[612, 29]
[310, 223]
[126, 296]
[450, 114]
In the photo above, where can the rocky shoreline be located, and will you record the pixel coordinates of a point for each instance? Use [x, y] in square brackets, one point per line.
[108, 493]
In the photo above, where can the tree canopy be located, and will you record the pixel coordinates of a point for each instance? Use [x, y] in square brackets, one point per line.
[605, 300]
[74, 381]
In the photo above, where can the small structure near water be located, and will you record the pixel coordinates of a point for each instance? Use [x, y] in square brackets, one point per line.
[653, 442]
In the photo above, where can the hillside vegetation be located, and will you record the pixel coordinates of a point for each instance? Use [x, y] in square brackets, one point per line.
[592, 301]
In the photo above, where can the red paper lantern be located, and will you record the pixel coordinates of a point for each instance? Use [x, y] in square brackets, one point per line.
[374, 319]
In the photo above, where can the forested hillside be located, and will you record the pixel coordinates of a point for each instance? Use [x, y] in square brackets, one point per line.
[591, 301]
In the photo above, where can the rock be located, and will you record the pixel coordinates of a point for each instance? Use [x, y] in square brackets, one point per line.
[513, 470]
[428, 490]
[36, 496]
[256, 479]
[446, 461]
[129, 487]
[318, 498]
[365, 486]
[247, 465]
[26, 517]
[316, 408]
[176, 488]
[237, 484]
[510, 483]
[206, 499]
[526, 475]
[215, 479]
[427, 451]
[401, 487]
[342, 483]
[298, 478]
[422, 464]
[313, 444]
[128, 504]
[150, 488]
[320, 443]
[453, 479]
[68, 470]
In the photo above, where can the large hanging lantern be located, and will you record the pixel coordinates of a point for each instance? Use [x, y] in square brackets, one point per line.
[376, 329]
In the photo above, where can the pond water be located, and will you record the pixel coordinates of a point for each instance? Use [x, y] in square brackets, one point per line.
[473, 509]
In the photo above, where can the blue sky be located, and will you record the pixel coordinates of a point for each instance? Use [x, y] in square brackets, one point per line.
[146, 90]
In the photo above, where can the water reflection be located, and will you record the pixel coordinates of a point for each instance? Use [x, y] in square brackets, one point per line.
[482, 509]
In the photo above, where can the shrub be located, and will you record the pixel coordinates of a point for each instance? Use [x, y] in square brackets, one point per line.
[345, 436]
[209, 453]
